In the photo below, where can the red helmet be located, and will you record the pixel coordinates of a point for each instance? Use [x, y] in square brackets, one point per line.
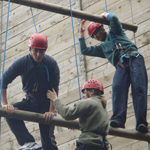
[92, 27]
[38, 41]
[93, 84]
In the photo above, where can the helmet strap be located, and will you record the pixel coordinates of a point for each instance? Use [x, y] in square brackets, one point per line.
[86, 92]
[30, 50]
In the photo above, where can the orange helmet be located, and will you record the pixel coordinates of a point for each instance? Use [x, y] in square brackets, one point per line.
[92, 27]
[38, 41]
[93, 84]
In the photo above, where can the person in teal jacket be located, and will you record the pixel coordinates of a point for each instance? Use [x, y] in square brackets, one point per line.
[92, 114]
[130, 69]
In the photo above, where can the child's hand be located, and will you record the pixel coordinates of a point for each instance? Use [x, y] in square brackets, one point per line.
[48, 116]
[51, 94]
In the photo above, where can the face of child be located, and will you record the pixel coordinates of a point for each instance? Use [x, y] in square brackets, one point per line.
[88, 93]
[37, 54]
[85, 95]
[100, 35]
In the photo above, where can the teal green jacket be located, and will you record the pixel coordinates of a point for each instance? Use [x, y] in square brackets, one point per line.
[93, 117]
[104, 50]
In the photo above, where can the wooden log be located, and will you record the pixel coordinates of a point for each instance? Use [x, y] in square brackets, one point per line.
[37, 117]
[129, 134]
[75, 13]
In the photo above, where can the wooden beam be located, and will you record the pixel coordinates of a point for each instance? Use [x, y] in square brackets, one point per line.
[37, 117]
[81, 57]
[75, 13]
[126, 133]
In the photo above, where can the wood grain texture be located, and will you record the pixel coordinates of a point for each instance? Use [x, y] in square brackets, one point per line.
[58, 30]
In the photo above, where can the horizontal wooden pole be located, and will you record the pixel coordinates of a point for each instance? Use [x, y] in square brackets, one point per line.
[75, 13]
[37, 117]
[126, 133]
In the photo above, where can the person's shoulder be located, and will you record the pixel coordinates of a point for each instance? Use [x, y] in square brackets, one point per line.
[23, 58]
[48, 58]
[94, 99]
[50, 62]
[111, 15]
[88, 100]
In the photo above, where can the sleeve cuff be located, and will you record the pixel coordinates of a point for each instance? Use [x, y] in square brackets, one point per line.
[109, 15]
[55, 99]
[81, 38]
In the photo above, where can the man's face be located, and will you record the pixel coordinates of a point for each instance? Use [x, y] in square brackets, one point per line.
[100, 35]
[37, 54]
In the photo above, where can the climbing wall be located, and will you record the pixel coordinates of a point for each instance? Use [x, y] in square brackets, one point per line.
[58, 29]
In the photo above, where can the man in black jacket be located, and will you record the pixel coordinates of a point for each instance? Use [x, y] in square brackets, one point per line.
[39, 73]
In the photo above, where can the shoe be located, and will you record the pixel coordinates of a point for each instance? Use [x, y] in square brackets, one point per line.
[142, 128]
[115, 124]
[31, 146]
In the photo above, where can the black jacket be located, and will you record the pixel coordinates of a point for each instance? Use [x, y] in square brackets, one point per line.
[44, 75]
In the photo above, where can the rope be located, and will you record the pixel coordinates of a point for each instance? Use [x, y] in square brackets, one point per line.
[75, 50]
[111, 38]
[106, 5]
[1, 38]
[4, 54]
[0, 52]
[33, 20]
[132, 21]
[5, 47]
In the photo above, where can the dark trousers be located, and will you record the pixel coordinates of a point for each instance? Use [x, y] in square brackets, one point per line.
[81, 146]
[136, 75]
[21, 132]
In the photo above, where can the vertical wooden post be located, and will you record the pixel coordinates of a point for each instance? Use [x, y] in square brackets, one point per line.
[81, 57]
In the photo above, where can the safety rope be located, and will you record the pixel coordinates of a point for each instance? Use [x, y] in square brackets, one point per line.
[1, 38]
[0, 52]
[106, 5]
[33, 20]
[112, 37]
[40, 72]
[4, 53]
[132, 21]
[5, 47]
[75, 49]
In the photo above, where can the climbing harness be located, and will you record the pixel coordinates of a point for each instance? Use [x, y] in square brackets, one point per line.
[75, 50]
[39, 74]
[119, 46]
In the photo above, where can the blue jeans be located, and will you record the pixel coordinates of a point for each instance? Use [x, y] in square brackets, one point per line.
[21, 132]
[136, 75]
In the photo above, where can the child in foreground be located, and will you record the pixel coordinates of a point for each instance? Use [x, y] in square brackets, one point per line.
[92, 114]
